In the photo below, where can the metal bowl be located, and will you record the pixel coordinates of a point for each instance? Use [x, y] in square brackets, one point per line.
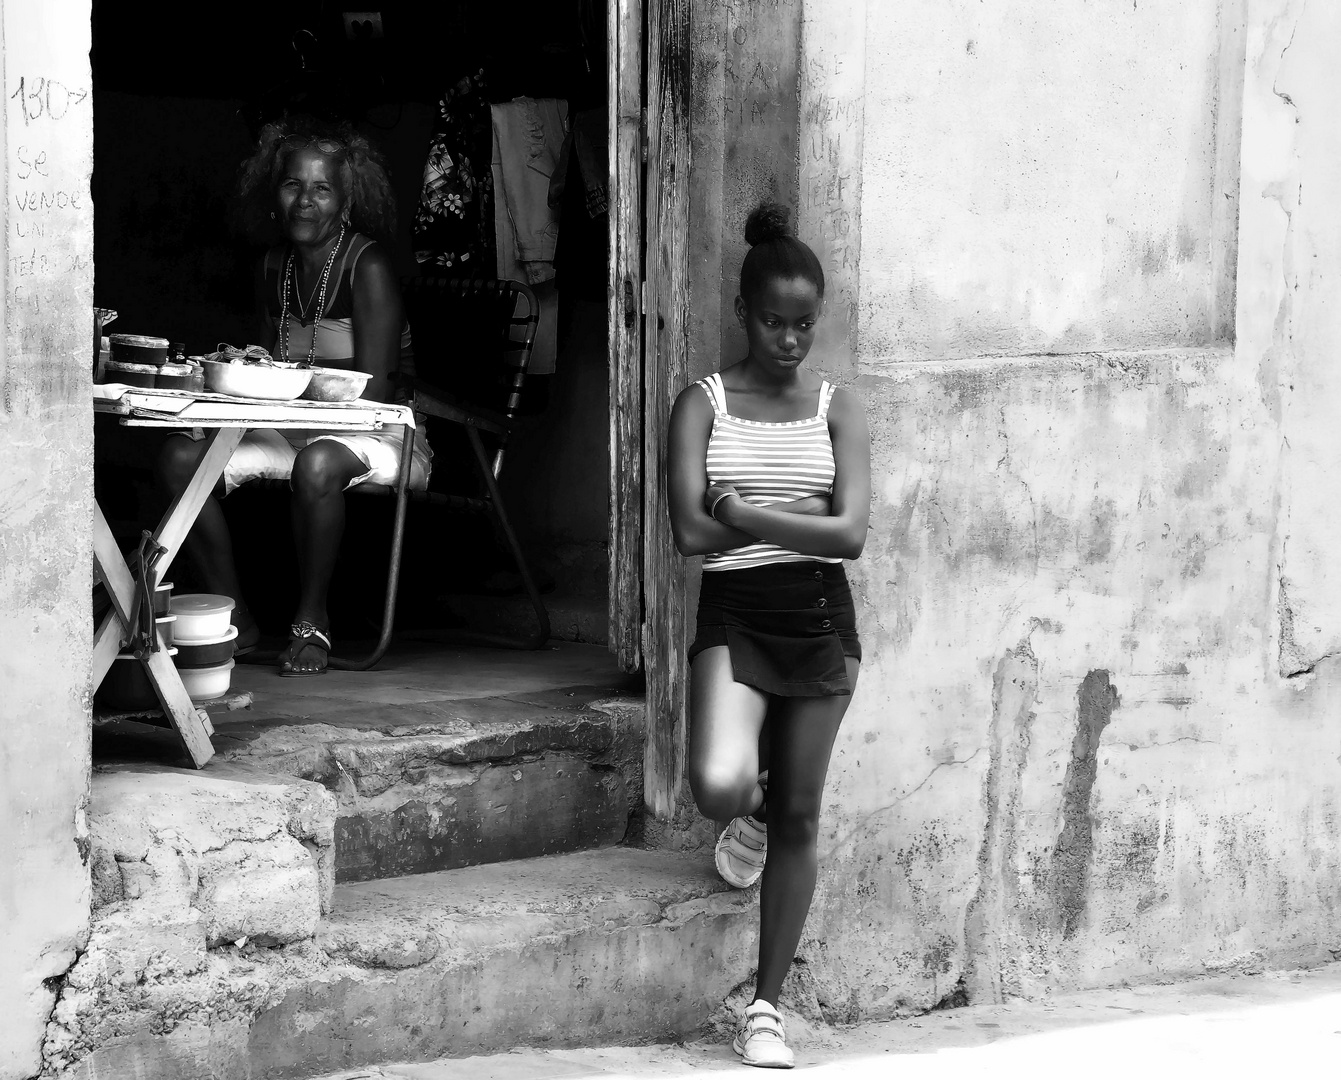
[267, 382]
[335, 384]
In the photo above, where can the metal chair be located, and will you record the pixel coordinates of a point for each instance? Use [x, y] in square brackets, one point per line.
[472, 340]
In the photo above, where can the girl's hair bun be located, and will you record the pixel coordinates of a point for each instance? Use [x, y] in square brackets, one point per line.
[768, 221]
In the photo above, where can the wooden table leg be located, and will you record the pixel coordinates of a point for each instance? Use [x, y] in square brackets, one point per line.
[192, 724]
[110, 568]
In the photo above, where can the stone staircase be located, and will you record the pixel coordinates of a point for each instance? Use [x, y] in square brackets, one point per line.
[393, 866]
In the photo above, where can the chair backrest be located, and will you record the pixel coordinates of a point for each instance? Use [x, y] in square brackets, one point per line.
[473, 337]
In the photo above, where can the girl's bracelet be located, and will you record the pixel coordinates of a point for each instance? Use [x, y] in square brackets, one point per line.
[712, 510]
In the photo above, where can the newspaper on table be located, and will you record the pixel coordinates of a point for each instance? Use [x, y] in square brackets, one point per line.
[188, 408]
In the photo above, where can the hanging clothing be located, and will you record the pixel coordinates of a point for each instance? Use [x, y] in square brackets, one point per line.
[453, 225]
[529, 135]
[581, 195]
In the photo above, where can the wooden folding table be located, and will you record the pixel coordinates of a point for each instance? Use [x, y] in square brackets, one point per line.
[224, 420]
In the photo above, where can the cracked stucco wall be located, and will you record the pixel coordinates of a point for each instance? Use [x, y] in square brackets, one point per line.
[45, 511]
[1290, 321]
[1072, 759]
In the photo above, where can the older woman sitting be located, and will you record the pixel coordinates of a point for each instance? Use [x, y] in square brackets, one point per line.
[327, 295]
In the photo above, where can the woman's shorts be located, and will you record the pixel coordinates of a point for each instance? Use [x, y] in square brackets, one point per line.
[268, 454]
[790, 626]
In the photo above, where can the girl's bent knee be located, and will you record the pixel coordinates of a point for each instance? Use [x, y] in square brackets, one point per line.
[722, 796]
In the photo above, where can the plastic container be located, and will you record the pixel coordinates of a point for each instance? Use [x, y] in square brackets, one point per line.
[126, 686]
[163, 598]
[137, 349]
[205, 683]
[165, 627]
[335, 384]
[201, 617]
[266, 382]
[203, 654]
[117, 371]
[180, 377]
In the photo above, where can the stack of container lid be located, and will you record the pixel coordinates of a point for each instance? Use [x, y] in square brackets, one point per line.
[206, 639]
[152, 363]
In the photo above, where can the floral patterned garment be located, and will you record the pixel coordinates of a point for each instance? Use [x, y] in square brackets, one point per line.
[454, 225]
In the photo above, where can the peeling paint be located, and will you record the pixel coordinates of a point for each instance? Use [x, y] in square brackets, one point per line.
[1070, 866]
[1014, 690]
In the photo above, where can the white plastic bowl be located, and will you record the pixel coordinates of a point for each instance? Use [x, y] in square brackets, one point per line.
[335, 384]
[204, 683]
[262, 381]
[201, 617]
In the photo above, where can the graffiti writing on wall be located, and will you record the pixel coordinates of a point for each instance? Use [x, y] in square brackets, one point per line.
[48, 232]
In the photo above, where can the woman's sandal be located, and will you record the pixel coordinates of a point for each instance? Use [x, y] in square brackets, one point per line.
[304, 635]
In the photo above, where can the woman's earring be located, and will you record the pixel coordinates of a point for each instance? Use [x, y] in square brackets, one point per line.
[272, 215]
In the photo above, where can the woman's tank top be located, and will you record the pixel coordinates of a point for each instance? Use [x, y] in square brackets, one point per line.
[335, 329]
[768, 463]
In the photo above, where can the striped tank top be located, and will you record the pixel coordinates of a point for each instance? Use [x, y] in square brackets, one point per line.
[768, 462]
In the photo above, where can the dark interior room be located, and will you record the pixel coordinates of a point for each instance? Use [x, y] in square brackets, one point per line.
[178, 102]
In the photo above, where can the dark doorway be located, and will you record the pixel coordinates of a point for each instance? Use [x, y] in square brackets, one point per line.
[177, 104]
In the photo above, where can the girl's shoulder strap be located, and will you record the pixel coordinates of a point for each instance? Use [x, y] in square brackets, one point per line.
[712, 386]
[826, 396]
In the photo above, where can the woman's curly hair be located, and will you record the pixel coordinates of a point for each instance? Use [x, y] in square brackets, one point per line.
[363, 175]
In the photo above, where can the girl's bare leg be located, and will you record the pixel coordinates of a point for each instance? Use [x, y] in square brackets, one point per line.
[725, 719]
[802, 732]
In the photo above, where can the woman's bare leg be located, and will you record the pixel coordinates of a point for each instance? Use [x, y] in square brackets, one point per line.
[321, 472]
[802, 732]
[725, 719]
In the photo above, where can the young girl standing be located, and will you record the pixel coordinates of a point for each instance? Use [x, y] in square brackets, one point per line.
[770, 479]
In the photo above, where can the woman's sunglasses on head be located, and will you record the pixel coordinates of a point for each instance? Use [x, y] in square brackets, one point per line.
[325, 145]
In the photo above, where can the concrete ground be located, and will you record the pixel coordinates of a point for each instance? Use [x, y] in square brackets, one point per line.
[1260, 1025]
[416, 672]
[418, 681]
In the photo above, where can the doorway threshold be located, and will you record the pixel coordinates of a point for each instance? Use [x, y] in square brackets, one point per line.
[441, 757]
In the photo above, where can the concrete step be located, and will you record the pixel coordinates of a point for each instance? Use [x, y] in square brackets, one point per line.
[209, 858]
[426, 785]
[620, 945]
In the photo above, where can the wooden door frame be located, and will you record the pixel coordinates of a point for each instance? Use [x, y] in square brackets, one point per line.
[624, 284]
[649, 364]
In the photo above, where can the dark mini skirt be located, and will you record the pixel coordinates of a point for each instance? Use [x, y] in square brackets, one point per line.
[790, 626]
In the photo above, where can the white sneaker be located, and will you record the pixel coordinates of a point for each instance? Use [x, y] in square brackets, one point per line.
[761, 1041]
[740, 852]
[742, 848]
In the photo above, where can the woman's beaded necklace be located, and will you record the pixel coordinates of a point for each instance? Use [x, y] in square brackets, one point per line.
[318, 312]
